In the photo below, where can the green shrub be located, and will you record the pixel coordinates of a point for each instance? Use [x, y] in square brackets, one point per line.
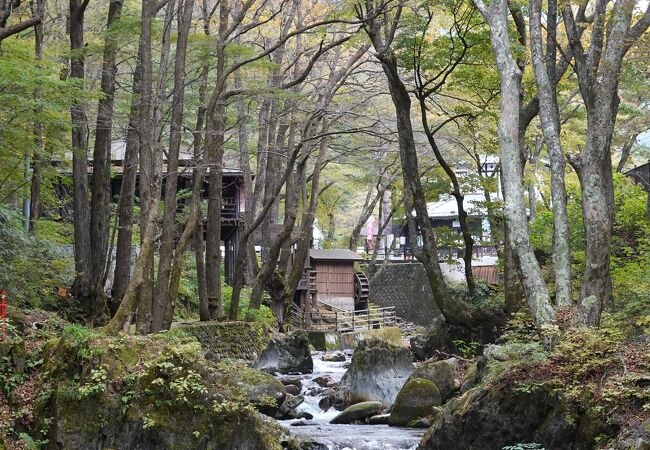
[32, 268]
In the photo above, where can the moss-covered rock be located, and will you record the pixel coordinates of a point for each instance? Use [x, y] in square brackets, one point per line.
[511, 352]
[415, 400]
[154, 392]
[360, 411]
[441, 373]
[261, 389]
[377, 372]
[491, 417]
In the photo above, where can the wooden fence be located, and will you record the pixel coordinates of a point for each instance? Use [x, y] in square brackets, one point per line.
[342, 320]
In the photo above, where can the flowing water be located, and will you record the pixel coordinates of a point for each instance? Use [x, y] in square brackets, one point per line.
[344, 437]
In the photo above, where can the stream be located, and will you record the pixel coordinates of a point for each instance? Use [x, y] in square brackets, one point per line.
[344, 437]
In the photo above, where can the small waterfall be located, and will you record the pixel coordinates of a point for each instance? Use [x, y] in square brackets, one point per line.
[343, 437]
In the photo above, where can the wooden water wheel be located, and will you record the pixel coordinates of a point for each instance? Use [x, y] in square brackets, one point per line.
[361, 291]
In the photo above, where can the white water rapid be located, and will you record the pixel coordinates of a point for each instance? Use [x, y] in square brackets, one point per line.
[344, 437]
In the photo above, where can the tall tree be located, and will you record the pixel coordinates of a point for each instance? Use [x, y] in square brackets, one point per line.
[38, 9]
[549, 114]
[125, 212]
[164, 296]
[496, 15]
[598, 69]
[101, 188]
[381, 27]
[81, 287]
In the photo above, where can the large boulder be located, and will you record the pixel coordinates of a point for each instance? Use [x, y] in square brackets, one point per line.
[415, 400]
[287, 354]
[261, 389]
[360, 411]
[492, 417]
[377, 372]
[145, 393]
[441, 373]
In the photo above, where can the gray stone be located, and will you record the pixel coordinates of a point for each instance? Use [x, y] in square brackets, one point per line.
[356, 412]
[290, 403]
[377, 372]
[260, 388]
[441, 373]
[293, 414]
[473, 374]
[291, 379]
[323, 381]
[379, 419]
[333, 357]
[492, 417]
[287, 354]
[415, 400]
[292, 389]
[303, 423]
[636, 436]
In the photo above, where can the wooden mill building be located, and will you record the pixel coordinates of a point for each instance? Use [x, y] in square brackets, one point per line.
[331, 278]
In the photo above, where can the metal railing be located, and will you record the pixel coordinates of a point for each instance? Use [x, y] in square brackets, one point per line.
[343, 321]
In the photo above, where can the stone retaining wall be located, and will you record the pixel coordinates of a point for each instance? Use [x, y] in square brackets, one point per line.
[237, 340]
[406, 287]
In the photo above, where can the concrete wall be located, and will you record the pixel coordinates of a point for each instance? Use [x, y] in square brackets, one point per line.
[406, 287]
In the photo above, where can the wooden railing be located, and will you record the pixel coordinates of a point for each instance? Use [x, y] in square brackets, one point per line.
[342, 321]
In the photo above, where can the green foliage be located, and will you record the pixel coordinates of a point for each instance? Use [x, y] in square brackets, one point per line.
[521, 328]
[30, 443]
[467, 349]
[32, 92]
[585, 352]
[630, 258]
[80, 339]
[264, 315]
[541, 229]
[32, 269]
[96, 384]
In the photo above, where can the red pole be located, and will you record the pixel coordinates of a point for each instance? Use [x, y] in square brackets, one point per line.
[3, 313]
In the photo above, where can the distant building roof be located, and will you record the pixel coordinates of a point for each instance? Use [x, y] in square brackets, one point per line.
[334, 254]
[641, 175]
[447, 207]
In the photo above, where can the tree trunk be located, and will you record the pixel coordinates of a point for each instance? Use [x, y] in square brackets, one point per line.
[126, 216]
[458, 196]
[549, 114]
[163, 301]
[598, 71]
[199, 159]
[625, 154]
[83, 257]
[38, 9]
[101, 188]
[508, 131]
[366, 211]
[149, 174]
[6, 7]
[454, 312]
[245, 166]
[307, 222]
